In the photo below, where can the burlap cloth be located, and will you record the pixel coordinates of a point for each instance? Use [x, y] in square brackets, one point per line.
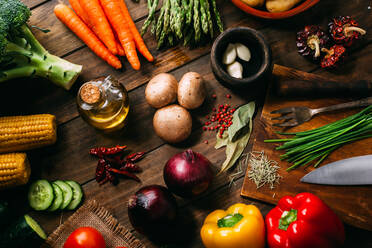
[93, 215]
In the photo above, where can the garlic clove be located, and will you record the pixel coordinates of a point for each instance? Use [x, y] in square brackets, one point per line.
[235, 70]
[243, 52]
[230, 54]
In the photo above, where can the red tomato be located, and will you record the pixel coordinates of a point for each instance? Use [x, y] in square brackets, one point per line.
[85, 237]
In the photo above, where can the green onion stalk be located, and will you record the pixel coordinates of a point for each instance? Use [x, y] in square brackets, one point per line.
[315, 145]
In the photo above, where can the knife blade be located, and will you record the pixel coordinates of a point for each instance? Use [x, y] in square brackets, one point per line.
[351, 171]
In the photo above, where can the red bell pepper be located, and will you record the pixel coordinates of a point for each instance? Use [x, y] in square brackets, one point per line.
[303, 221]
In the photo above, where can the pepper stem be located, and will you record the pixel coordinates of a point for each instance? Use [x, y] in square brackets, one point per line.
[229, 220]
[287, 218]
[329, 52]
[315, 43]
[349, 30]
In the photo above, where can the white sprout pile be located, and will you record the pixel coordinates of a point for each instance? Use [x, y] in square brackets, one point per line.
[262, 170]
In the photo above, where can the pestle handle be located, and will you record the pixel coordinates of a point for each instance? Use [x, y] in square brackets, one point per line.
[292, 82]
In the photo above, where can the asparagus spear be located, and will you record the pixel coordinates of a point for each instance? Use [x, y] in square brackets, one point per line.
[170, 40]
[189, 33]
[159, 24]
[209, 17]
[217, 16]
[189, 12]
[151, 17]
[166, 24]
[197, 21]
[177, 18]
[204, 18]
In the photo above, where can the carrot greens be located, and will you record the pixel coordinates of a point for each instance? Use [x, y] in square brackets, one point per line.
[315, 145]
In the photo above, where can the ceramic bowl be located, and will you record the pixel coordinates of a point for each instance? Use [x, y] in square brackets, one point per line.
[259, 66]
[280, 15]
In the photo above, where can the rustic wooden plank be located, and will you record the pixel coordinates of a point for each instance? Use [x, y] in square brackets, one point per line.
[152, 165]
[61, 40]
[76, 137]
[33, 3]
[62, 103]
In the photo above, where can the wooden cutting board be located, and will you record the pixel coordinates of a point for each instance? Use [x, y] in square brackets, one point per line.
[353, 204]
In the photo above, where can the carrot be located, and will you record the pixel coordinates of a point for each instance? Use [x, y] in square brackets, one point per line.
[114, 14]
[100, 23]
[141, 46]
[73, 22]
[75, 4]
[120, 48]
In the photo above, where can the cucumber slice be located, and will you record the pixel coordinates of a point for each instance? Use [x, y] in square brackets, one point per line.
[35, 226]
[23, 232]
[40, 195]
[67, 193]
[58, 198]
[77, 194]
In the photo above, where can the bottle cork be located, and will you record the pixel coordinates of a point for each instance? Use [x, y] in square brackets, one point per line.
[90, 93]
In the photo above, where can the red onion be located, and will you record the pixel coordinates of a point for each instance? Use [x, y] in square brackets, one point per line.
[152, 210]
[188, 173]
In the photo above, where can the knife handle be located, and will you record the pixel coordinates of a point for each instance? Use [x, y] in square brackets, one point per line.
[292, 82]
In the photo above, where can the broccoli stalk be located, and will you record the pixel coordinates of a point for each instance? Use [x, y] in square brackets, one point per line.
[21, 55]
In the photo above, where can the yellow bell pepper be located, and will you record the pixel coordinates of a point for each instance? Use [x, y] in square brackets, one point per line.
[240, 226]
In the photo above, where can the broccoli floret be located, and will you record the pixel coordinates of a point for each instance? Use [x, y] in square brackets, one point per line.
[21, 55]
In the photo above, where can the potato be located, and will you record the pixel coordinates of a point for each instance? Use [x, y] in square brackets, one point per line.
[280, 5]
[161, 90]
[191, 90]
[254, 3]
[172, 123]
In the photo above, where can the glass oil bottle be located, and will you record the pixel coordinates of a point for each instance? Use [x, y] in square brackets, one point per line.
[103, 103]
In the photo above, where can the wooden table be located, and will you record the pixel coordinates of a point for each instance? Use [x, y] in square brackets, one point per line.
[69, 158]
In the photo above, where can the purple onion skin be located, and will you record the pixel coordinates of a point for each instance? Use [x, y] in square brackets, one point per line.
[152, 211]
[188, 174]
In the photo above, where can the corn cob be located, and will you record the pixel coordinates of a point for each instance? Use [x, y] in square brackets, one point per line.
[14, 170]
[20, 133]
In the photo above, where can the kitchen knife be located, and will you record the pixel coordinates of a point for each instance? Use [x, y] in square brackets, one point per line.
[351, 171]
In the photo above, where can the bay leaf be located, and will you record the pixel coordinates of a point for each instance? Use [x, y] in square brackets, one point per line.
[221, 142]
[241, 133]
[242, 116]
[235, 149]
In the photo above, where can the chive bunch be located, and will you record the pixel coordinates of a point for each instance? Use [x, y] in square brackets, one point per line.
[308, 146]
[188, 21]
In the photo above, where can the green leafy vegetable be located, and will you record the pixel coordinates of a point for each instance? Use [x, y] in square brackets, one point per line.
[240, 133]
[21, 55]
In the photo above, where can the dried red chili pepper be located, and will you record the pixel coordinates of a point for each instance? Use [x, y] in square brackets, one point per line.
[111, 159]
[334, 56]
[100, 170]
[134, 157]
[310, 41]
[115, 161]
[124, 173]
[345, 31]
[106, 151]
[131, 167]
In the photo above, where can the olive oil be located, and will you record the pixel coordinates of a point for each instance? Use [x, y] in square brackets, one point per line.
[103, 103]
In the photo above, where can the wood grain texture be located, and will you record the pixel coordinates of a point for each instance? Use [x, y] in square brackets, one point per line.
[51, 99]
[69, 159]
[352, 204]
[76, 137]
[33, 3]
